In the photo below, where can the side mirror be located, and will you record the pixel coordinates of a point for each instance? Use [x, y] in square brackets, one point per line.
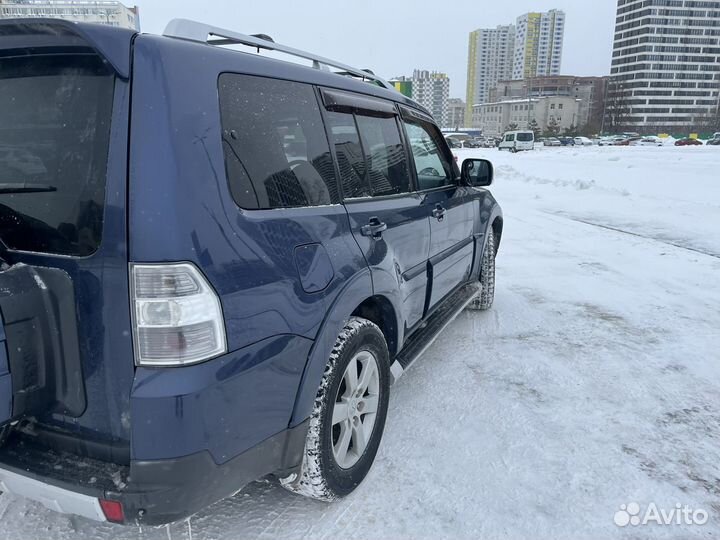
[477, 172]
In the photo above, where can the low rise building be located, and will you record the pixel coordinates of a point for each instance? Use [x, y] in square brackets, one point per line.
[545, 114]
[106, 12]
[590, 90]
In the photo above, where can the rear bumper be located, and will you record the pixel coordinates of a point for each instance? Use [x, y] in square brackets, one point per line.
[53, 497]
[151, 492]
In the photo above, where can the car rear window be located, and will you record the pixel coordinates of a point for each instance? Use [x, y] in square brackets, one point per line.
[54, 137]
[524, 137]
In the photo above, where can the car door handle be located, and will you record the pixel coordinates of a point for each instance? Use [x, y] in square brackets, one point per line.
[438, 212]
[374, 228]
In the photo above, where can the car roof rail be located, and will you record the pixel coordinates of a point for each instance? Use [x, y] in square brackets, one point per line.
[213, 35]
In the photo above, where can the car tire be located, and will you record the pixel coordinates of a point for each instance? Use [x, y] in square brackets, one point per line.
[484, 300]
[513, 150]
[347, 422]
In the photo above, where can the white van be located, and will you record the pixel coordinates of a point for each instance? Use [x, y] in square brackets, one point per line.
[515, 141]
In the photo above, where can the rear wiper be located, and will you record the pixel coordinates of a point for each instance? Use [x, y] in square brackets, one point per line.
[22, 187]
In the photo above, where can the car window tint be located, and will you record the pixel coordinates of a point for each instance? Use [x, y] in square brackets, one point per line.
[432, 168]
[349, 153]
[54, 142]
[276, 150]
[384, 155]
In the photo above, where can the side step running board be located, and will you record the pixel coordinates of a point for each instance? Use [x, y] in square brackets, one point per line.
[419, 342]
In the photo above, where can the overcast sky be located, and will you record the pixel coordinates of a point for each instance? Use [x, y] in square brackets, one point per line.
[392, 37]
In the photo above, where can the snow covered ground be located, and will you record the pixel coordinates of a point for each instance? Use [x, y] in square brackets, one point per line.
[594, 381]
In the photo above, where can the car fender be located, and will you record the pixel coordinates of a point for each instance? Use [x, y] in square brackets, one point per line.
[355, 291]
[489, 211]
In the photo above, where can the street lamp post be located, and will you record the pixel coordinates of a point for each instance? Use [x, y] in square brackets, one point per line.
[529, 100]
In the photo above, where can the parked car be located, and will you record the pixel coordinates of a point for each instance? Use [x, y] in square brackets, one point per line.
[489, 142]
[517, 141]
[552, 141]
[473, 143]
[628, 141]
[567, 141]
[462, 138]
[650, 141]
[185, 306]
[582, 141]
[688, 142]
[453, 143]
[714, 142]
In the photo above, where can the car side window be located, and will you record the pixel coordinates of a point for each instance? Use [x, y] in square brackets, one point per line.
[370, 155]
[510, 138]
[276, 150]
[385, 156]
[432, 167]
[349, 153]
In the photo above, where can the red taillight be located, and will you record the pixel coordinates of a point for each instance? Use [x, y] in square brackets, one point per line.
[113, 510]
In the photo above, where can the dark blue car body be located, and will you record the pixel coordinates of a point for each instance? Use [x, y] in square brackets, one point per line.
[288, 279]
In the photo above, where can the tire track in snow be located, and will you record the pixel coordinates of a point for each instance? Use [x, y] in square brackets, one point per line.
[631, 233]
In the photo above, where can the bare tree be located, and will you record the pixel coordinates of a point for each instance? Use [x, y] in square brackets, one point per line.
[617, 106]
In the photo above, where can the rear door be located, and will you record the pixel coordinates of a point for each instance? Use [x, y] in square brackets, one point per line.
[448, 205]
[388, 219]
[63, 156]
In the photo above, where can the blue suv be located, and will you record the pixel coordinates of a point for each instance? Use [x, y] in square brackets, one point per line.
[214, 265]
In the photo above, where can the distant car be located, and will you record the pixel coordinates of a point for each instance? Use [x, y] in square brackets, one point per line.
[714, 142]
[552, 141]
[650, 141]
[516, 141]
[462, 138]
[473, 143]
[453, 143]
[566, 141]
[606, 141]
[688, 142]
[582, 141]
[629, 141]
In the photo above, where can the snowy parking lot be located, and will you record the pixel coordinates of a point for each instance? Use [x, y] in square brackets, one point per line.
[594, 382]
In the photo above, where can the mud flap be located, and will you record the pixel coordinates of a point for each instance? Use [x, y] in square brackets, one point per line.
[40, 368]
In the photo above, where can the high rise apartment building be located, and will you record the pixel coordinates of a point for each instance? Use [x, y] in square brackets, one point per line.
[530, 47]
[432, 90]
[538, 44]
[490, 59]
[665, 73]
